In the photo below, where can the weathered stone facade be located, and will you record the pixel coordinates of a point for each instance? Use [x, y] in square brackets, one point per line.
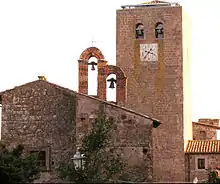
[133, 136]
[203, 131]
[207, 121]
[212, 160]
[158, 88]
[203, 146]
[41, 117]
[44, 116]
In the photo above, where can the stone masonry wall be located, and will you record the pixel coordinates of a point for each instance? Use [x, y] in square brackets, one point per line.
[133, 135]
[199, 130]
[212, 161]
[41, 117]
[214, 122]
[156, 88]
[47, 117]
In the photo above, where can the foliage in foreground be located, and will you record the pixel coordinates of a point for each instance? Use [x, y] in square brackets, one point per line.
[212, 176]
[16, 167]
[101, 164]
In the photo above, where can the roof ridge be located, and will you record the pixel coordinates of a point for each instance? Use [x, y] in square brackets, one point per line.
[103, 101]
[203, 124]
[77, 93]
[1, 92]
[155, 2]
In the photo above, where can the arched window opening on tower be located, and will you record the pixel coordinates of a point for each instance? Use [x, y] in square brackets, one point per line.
[159, 30]
[111, 88]
[139, 31]
[92, 76]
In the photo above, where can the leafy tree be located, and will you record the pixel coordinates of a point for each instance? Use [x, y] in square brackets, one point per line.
[16, 167]
[101, 164]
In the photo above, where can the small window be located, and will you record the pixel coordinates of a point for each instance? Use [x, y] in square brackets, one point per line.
[144, 151]
[159, 31]
[139, 31]
[201, 163]
[202, 135]
[41, 155]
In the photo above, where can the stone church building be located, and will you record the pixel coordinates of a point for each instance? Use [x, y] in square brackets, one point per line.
[152, 107]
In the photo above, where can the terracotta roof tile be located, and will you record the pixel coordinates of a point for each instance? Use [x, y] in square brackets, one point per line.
[203, 146]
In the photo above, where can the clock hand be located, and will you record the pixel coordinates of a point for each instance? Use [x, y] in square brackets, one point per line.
[152, 53]
[149, 51]
[146, 54]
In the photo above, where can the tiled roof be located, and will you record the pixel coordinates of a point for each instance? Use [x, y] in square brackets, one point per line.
[203, 146]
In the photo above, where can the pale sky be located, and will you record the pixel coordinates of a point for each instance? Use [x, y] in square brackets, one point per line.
[46, 37]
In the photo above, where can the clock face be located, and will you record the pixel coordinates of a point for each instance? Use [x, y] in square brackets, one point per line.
[148, 52]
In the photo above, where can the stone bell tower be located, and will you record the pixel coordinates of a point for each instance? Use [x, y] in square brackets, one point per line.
[153, 51]
[104, 70]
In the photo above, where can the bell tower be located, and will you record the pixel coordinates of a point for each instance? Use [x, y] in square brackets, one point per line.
[153, 49]
[104, 71]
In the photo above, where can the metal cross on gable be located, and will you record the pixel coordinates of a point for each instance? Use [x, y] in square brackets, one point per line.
[93, 41]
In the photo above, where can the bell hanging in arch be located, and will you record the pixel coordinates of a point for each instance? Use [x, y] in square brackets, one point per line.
[112, 83]
[93, 65]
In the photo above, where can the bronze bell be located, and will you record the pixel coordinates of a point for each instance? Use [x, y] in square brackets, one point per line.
[93, 65]
[112, 86]
[112, 81]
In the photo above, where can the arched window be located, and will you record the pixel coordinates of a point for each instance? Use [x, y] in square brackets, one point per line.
[139, 31]
[111, 88]
[92, 76]
[159, 30]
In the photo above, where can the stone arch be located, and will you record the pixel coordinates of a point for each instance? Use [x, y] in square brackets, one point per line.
[111, 69]
[83, 66]
[91, 52]
[121, 81]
